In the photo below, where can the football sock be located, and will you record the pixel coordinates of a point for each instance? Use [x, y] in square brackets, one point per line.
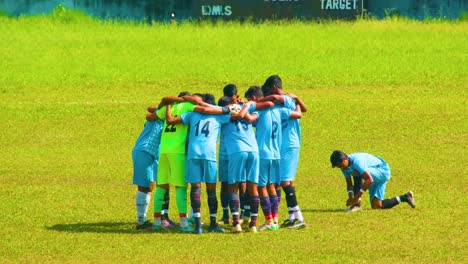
[183, 220]
[274, 206]
[195, 200]
[181, 199]
[142, 201]
[234, 205]
[157, 219]
[241, 204]
[246, 204]
[158, 199]
[278, 194]
[297, 213]
[225, 200]
[254, 203]
[212, 205]
[389, 203]
[266, 207]
[403, 198]
[165, 206]
[291, 200]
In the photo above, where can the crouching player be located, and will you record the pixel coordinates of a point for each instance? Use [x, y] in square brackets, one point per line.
[375, 173]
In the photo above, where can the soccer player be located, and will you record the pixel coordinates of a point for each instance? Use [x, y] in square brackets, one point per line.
[172, 160]
[230, 90]
[243, 164]
[375, 172]
[290, 148]
[201, 160]
[145, 157]
[268, 137]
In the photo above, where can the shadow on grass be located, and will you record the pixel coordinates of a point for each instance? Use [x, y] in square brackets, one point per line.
[323, 210]
[99, 227]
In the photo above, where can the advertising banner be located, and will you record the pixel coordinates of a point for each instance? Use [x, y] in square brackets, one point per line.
[268, 9]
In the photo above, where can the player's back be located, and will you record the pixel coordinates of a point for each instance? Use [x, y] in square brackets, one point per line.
[269, 133]
[203, 134]
[239, 137]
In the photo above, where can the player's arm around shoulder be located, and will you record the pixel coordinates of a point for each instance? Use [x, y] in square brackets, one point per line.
[296, 114]
[273, 98]
[264, 105]
[211, 110]
[171, 120]
[298, 102]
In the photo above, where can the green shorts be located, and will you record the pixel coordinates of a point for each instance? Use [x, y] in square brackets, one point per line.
[171, 169]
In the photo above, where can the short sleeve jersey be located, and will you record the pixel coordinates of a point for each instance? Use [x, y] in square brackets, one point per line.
[269, 134]
[291, 127]
[150, 137]
[239, 135]
[360, 162]
[203, 134]
[174, 136]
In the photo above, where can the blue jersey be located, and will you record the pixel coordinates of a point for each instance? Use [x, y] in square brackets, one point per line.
[361, 162]
[150, 137]
[239, 136]
[291, 127]
[226, 138]
[222, 154]
[203, 134]
[269, 134]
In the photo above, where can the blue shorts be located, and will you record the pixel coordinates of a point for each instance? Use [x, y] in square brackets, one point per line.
[145, 168]
[288, 164]
[200, 170]
[269, 172]
[243, 166]
[380, 174]
[223, 170]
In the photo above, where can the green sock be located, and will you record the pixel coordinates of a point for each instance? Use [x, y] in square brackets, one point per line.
[159, 199]
[181, 199]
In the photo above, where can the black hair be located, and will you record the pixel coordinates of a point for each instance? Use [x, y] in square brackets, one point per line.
[253, 91]
[230, 90]
[225, 100]
[337, 157]
[198, 95]
[209, 99]
[270, 84]
[183, 93]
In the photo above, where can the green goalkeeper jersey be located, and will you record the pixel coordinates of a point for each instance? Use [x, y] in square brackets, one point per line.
[174, 136]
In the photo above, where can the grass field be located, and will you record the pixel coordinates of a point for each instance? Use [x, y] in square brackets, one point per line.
[73, 96]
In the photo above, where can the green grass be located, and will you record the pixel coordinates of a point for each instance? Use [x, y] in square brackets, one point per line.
[73, 94]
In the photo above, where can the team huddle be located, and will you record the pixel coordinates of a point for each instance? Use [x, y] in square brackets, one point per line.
[257, 159]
